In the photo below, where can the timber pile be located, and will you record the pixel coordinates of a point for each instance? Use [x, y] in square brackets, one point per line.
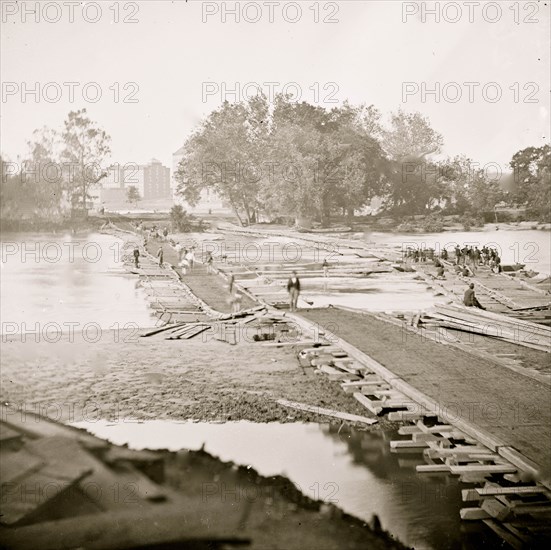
[63, 488]
[251, 325]
[369, 389]
[510, 502]
[477, 321]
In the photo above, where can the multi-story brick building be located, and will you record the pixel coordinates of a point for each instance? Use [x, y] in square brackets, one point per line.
[151, 180]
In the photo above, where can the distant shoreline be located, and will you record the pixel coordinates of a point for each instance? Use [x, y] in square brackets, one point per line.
[94, 224]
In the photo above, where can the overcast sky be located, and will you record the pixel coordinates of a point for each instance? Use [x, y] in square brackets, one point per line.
[175, 49]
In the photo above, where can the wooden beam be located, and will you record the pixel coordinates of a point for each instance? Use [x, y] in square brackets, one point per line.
[408, 444]
[483, 469]
[372, 406]
[524, 490]
[473, 514]
[326, 412]
[432, 468]
[496, 509]
[469, 495]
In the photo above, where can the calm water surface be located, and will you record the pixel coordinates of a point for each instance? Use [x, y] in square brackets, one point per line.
[353, 469]
[63, 279]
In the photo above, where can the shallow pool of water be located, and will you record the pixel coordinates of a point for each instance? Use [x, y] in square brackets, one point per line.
[55, 282]
[355, 470]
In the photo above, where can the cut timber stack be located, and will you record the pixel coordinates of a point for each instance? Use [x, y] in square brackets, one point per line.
[474, 320]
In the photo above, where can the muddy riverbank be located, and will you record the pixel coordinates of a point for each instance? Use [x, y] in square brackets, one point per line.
[126, 376]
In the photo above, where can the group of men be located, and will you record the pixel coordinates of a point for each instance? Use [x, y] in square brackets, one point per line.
[473, 257]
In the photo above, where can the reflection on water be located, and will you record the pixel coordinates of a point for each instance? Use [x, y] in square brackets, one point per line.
[353, 469]
[64, 279]
[388, 292]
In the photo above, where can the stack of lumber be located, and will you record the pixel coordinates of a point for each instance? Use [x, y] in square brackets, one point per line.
[474, 320]
[63, 488]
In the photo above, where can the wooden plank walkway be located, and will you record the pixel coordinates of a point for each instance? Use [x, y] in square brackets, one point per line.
[210, 288]
[509, 407]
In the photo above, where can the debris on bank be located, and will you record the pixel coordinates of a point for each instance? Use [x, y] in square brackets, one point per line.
[63, 488]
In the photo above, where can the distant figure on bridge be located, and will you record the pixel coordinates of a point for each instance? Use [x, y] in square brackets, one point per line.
[160, 256]
[293, 288]
[470, 299]
[209, 260]
[190, 257]
[325, 267]
[136, 257]
[235, 301]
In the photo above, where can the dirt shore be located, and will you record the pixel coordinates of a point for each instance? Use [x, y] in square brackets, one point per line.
[126, 376]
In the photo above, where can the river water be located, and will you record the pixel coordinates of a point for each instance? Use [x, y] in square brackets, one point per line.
[56, 283]
[43, 282]
[354, 470]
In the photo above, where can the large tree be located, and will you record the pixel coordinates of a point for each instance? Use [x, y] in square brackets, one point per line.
[36, 190]
[409, 141]
[226, 154]
[531, 170]
[466, 187]
[86, 146]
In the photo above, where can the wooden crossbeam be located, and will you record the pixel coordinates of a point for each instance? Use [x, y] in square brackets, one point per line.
[408, 444]
[473, 514]
[524, 490]
[483, 469]
[372, 406]
[326, 412]
[432, 468]
[469, 495]
[400, 416]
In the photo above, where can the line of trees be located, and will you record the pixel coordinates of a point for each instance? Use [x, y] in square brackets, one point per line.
[304, 161]
[288, 159]
[57, 175]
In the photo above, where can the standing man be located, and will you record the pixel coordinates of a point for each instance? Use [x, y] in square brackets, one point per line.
[325, 267]
[160, 256]
[136, 257]
[293, 288]
[190, 257]
[209, 261]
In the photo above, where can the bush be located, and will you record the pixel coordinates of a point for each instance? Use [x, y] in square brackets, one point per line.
[433, 223]
[470, 221]
[406, 227]
[181, 221]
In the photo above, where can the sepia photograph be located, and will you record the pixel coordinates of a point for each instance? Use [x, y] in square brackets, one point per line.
[275, 275]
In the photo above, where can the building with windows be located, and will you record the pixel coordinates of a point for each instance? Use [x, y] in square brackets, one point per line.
[152, 181]
[156, 180]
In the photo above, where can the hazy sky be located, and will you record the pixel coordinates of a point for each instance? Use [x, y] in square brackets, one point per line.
[174, 49]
